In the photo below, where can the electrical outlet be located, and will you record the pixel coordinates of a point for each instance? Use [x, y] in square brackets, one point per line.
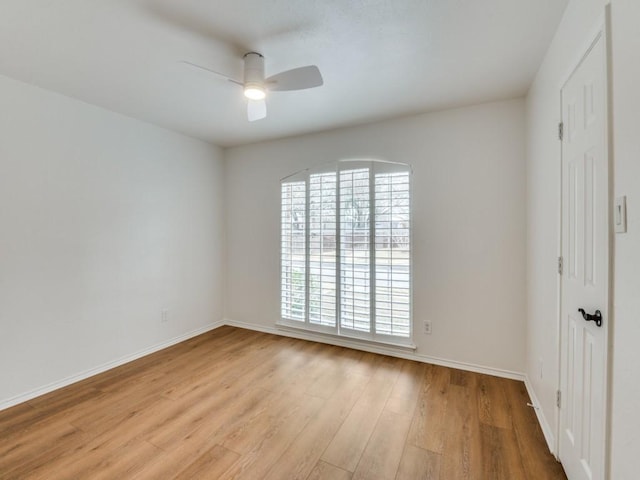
[164, 315]
[427, 327]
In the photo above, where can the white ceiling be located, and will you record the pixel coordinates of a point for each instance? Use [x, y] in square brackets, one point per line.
[379, 58]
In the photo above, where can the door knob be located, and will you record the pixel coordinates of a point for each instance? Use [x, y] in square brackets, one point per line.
[596, 317]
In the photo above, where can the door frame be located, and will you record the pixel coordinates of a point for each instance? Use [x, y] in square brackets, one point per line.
[601, 30]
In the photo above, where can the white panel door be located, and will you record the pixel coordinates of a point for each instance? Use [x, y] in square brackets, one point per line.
[585, 280]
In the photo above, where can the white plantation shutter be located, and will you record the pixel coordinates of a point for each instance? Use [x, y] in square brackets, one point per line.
[322, 249]
[293, 251]
[355, 291]
[346, 250]
[392, 238]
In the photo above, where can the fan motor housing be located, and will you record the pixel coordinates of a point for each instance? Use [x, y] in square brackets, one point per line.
[253, 70]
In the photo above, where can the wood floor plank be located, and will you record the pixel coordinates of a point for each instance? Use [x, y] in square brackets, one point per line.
[210, 465]
[122, 462]
[64, 397]
[110, 410]
[50, 408]
[343, 363]
[217, 422]
[463, 378]
[109, 455]
[500, 456]
[347, 446]
[256, 463]
[303, 381]
[245, 367]
[24, 453]
[419, 464]
[462, 453]
[236, 404]
[277, 410]
[290, 362]
[493, 406]
[326, 471]
[19, 417]
[142, 420]
[428, 427]
[303, 454]
[406, 391]
[352, 361]
[229, 405]
[382, 455]
[193, 450]
[327, 383]
[365, 365]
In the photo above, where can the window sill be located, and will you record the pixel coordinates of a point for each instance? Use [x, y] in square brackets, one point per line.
[409, 346]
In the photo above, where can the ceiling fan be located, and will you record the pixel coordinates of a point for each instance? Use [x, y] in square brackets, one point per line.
[256, 86]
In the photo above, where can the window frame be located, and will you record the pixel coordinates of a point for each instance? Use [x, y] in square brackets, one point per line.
[374, 167]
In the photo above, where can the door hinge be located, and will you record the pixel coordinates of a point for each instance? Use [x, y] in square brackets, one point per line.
[560, 265]
[558, 398]
[561, 131]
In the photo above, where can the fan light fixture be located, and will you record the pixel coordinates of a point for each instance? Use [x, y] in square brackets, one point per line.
[255, 85]
[254, 92]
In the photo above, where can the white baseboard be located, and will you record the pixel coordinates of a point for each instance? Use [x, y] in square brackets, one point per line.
[368, 347]
[10, 402]
[542, 419]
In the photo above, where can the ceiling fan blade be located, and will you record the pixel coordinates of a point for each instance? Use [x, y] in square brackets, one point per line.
[296, 79]
[256, 110]
[212, 71]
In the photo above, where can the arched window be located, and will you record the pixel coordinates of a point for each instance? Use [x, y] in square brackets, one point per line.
[346, 250]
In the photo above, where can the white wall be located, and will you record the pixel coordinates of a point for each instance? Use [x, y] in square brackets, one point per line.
[543, 157]
[104, 221]
[625, 441]
[469, 242]
[543, 199]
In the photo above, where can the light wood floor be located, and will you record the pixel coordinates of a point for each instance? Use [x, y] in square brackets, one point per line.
[239, 404]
